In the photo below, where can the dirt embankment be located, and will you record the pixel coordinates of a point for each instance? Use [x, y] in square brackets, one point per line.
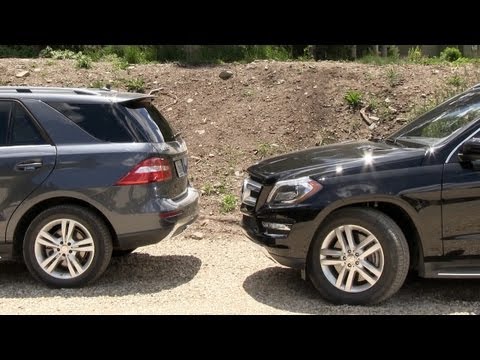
[265, 108]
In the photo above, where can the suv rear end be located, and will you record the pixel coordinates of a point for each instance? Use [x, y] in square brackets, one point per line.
[119, 172]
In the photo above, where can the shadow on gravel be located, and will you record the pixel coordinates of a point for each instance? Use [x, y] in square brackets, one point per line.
[283, 289]
[137, 273]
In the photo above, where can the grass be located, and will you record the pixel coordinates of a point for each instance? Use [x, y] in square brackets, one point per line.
[228, 203]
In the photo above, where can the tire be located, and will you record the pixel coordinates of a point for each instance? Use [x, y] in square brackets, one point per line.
[121, 253]
[380, 253]
[80, 260]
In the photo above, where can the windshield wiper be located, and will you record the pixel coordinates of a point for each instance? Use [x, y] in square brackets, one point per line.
[392, 141]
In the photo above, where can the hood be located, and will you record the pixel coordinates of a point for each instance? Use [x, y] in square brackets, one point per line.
[346, 158]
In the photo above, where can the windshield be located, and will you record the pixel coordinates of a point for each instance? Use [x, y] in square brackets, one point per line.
[437, 125]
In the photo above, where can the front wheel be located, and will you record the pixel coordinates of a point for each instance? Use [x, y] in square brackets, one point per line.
[360, 256]
[67, 246]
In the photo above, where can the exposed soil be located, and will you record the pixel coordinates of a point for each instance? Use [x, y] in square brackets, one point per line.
[265, 108]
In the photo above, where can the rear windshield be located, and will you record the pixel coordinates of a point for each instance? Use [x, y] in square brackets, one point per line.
[99, 120]
[150, 122]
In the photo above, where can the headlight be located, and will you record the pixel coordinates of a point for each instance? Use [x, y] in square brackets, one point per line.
[293, 191]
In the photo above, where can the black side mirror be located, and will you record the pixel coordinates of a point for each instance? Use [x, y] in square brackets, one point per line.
[470, 151]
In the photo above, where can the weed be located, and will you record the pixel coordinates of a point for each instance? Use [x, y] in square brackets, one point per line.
[135, 85]
[83, 61]
[415, 55]
[97, 84]
[228, 204]
[394, 77]
[372, 104]
[456, 81]
[264, 149]
[353, 98]
[208, 189]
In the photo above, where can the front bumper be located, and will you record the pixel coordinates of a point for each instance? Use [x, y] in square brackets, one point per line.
[172, 219]
[288, 248]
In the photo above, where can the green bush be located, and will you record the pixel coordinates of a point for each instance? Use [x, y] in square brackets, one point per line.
[450, 54]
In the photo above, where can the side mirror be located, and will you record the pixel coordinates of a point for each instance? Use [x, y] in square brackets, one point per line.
[470, 151]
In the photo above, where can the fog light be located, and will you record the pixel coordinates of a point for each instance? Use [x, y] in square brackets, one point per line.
[276, 226]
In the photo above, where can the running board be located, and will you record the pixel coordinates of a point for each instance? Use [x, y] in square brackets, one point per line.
[456, 269]
[459, 273]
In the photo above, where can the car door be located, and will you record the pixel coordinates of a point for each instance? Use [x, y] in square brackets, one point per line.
[26, 158]
[461, 206]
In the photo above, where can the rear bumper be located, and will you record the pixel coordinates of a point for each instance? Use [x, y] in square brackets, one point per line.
[173, 217]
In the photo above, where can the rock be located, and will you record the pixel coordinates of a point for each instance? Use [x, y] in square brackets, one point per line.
[22, 74]
[388, 101]
[169, 109]
[204, 120]
[435, 71]
[200, 132]
[374, 118]
[266, 67]
[373, 126]
[211, 155]
[281, 81]
[37, 70]
[196, 158]
[131, 67]
[238, 173]
[392, 109]
[314, 86]
[225, 74]
[189, 100]
[197, 235]
[423, 95]
[48, 80]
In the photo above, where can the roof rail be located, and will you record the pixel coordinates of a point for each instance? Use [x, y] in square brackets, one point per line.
[476, 86]
[31, 89]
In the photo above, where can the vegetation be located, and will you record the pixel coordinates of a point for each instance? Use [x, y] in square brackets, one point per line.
[84, 61]
[450, 54]
[353, 98]
[228, 203]
[135, 85]
[123, 55]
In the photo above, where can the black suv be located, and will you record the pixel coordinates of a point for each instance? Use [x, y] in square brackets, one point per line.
[84, 172]
[355, 217]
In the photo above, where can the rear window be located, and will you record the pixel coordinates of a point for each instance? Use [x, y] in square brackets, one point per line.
[150, 122]
[99, 120]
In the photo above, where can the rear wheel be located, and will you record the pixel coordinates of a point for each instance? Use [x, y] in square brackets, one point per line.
[360, 256]
[67, 246]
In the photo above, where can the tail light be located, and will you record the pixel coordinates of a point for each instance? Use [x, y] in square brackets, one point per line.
[148, 171]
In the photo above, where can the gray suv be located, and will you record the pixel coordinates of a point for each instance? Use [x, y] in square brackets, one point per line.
[86, 173]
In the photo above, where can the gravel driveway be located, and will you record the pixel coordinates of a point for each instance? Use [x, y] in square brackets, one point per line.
[220, 274]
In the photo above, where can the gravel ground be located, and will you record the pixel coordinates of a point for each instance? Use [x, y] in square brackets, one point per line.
[223, 273]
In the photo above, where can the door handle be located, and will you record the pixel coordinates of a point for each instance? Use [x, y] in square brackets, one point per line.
[29, 165]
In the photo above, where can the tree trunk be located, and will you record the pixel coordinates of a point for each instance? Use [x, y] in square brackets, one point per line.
[384, 50]
[354, 52]
[375, 50]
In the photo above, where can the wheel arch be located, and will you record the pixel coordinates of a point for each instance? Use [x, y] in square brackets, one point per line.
[397, 209]
[18, 232]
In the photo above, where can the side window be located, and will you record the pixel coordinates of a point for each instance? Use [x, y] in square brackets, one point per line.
[5, 107]
[23, 130]
[99, 120]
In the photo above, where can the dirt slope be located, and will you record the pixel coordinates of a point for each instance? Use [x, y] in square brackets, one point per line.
[263, 109]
